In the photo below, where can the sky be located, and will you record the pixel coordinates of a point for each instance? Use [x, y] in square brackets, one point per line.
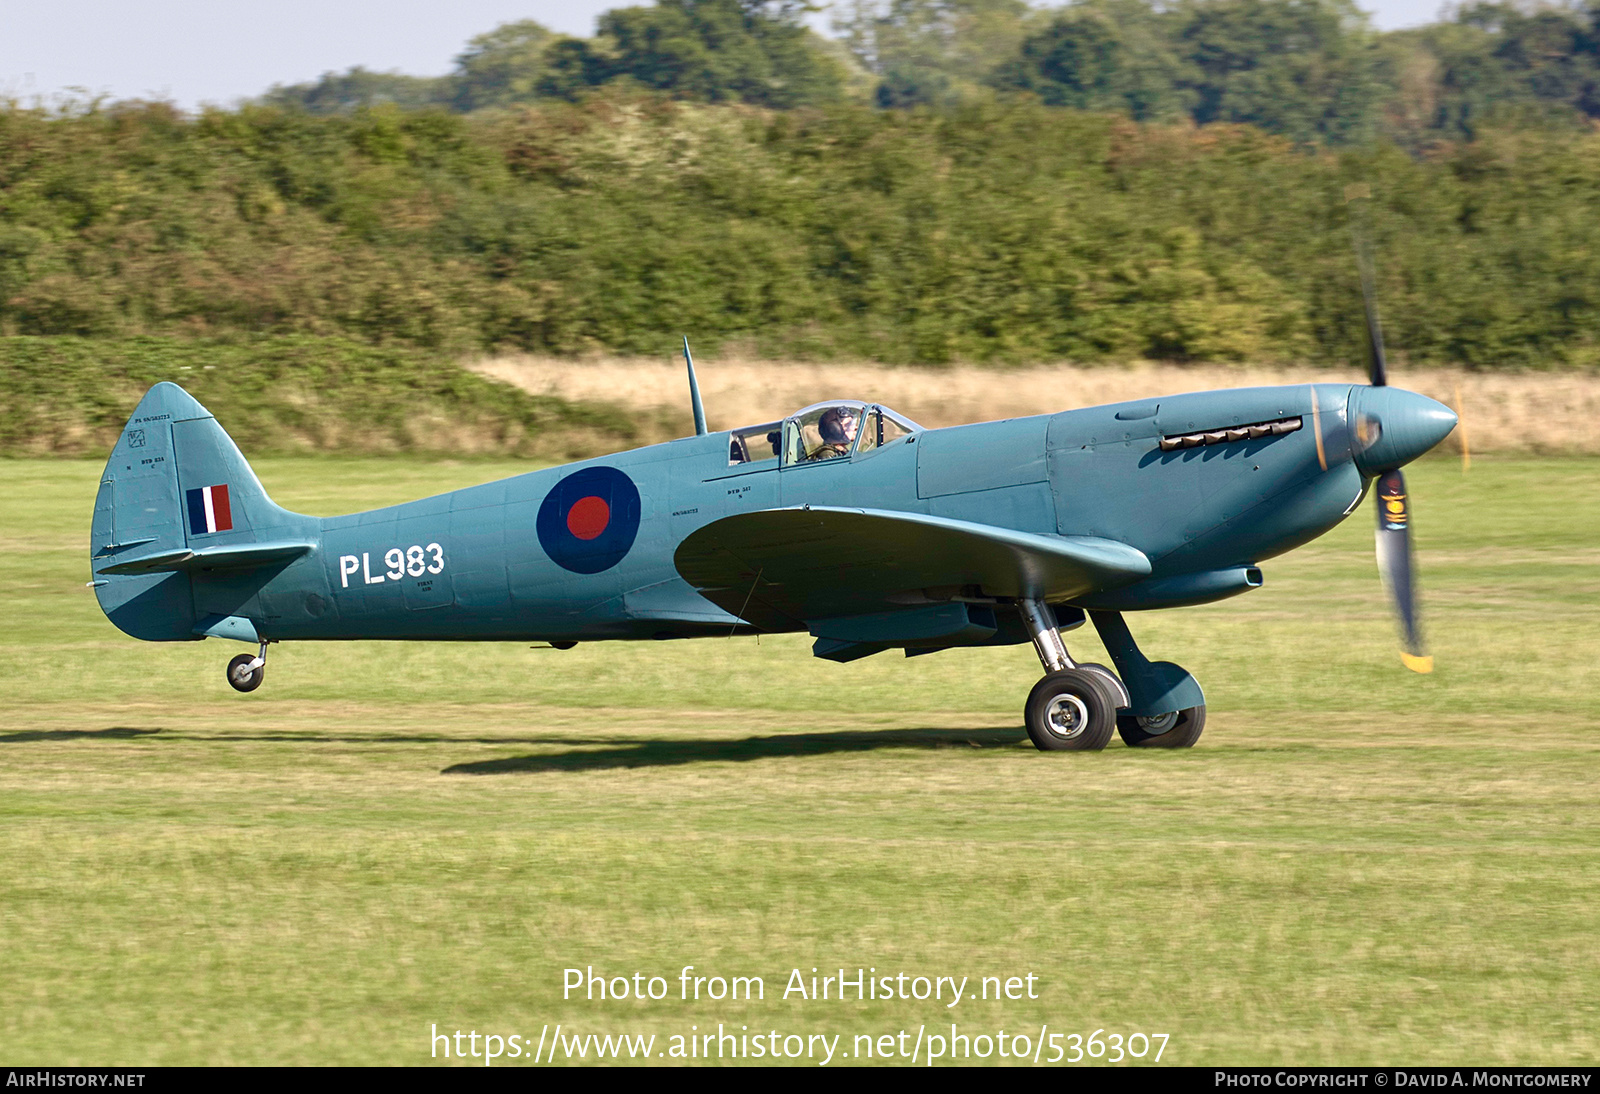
[206, 51]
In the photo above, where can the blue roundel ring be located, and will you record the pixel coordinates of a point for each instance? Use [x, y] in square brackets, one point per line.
[589, 521]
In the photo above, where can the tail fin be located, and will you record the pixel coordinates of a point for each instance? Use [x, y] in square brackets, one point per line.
[175, 490]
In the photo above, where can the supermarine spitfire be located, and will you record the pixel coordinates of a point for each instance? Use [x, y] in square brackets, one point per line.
[845, 520]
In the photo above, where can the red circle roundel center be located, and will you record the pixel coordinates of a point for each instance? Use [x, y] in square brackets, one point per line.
[588, 517]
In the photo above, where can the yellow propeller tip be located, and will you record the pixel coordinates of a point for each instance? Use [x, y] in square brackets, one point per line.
[1415, 663]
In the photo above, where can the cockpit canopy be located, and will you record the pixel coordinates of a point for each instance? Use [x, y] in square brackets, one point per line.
[837, 429]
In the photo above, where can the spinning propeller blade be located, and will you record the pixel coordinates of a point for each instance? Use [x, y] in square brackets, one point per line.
[1380, 368]
[1396, 564]
[1358, 229]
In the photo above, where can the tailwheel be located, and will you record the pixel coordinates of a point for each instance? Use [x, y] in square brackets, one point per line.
[242, 676]
[1071, 711]
[1175, 729]
[245, 672]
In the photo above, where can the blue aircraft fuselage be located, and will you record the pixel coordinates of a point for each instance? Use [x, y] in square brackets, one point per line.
[1202, 484]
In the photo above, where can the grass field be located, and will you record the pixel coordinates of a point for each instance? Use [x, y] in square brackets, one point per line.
[1356, 865]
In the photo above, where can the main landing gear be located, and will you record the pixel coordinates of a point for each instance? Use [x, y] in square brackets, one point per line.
[1174, 729]
[1076, 707]
[245, 673]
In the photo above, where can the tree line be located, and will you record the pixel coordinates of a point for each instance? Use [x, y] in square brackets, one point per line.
[1314, 71]
[994, 230]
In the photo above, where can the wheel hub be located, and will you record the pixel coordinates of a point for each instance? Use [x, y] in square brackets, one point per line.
[1160, 724]
[1066, 716]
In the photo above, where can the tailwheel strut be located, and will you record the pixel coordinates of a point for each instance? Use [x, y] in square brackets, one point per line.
[245, 672]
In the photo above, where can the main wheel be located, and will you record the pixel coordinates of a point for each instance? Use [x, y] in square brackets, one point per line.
[1071, 710]
[1177, 729]
[242, 677]
[1113, 681]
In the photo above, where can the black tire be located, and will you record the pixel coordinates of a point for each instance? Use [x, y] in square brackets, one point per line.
[1111, 678]
[1183, 731]
[241, 680]
[1071, 711]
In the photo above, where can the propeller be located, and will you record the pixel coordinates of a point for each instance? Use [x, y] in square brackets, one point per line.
[1398, 567]
[1396, 562]
[1379, 374]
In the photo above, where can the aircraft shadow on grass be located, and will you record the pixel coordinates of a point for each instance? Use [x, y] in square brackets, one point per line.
[615, 753]
[671, 753]
[122, 733]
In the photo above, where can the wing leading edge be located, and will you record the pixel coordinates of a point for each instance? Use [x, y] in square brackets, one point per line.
[780, 568]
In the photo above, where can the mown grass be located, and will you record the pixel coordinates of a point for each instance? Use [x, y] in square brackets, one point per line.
[1356, 865]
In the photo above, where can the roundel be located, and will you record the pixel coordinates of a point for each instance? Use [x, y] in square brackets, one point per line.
[589, 521]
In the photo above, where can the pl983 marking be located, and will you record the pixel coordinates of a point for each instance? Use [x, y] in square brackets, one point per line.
[415, 560]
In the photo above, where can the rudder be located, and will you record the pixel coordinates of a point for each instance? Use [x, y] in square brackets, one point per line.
[175, 480]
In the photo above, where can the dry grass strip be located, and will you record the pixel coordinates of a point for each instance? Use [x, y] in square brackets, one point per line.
[1552, 413]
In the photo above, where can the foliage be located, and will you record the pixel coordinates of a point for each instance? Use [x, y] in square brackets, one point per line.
[1313, 71]
[342, 92]
[1306, 69]
[1112, 55]
[1500, 63]
[508, 64]
[751, 51]
[930, 52]
[997, 231]
[1302, 68]
[71, 396]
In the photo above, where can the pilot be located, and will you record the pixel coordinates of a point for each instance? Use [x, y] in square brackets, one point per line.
[838, 429]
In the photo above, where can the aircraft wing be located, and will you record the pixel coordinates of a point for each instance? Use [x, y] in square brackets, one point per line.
[778, 568]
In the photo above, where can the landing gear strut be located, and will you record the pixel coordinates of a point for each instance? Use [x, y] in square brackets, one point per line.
[1074, 708]
[245, 673]
[1169, 709]
[1077, 706]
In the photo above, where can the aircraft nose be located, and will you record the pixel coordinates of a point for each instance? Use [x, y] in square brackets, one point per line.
[1394, 427]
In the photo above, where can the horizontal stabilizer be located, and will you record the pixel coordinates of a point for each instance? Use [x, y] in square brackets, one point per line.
[778, 568]
[240, 556]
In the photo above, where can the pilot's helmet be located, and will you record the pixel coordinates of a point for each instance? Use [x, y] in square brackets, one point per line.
[837, 425]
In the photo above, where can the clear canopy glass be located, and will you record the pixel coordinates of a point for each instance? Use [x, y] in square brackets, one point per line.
[837, 429]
